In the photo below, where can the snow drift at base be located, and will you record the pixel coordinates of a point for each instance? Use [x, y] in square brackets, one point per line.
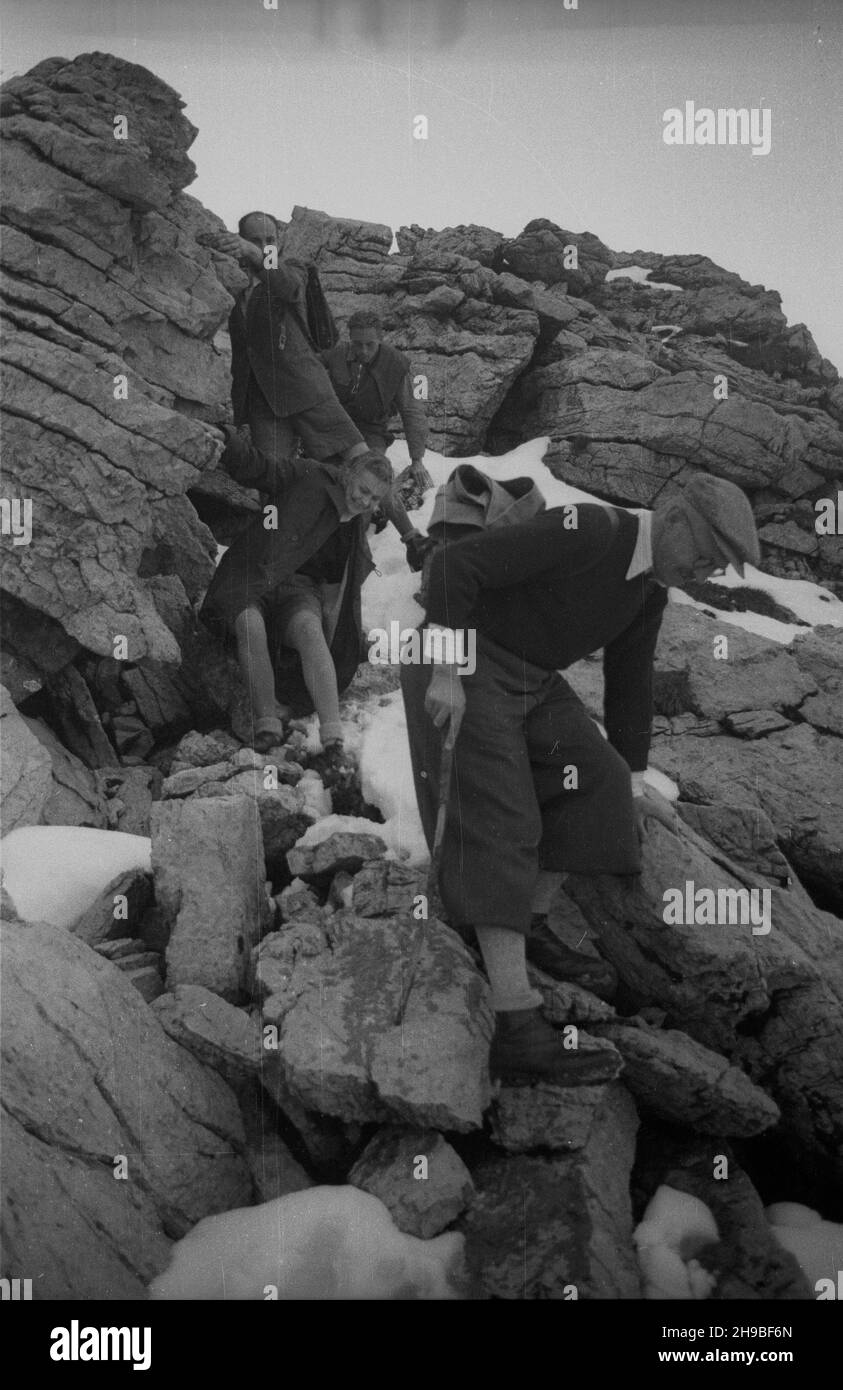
[324, 1243]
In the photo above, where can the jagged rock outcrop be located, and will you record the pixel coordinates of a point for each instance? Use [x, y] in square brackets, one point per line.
[115, 1140]
[312, 1030]
[559, 1227]
[418, 1176]
[112, 307]
[765, 996]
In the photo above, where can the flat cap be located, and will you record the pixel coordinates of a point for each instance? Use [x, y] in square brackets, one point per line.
[728, 515]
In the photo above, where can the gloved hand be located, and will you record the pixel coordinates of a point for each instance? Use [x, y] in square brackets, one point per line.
[417, 546]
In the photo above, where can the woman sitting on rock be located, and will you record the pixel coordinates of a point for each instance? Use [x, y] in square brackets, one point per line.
[289, 586]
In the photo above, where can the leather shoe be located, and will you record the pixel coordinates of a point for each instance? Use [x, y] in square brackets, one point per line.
[526, 1049]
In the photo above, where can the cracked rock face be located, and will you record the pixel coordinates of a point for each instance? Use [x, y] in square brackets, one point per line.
[113, 307]
[559, 1227]
[89, 1075]
[769, 1003]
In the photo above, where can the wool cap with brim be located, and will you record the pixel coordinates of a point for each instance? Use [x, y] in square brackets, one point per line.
[728, 516]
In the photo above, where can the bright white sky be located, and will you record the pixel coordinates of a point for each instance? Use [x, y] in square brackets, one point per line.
[534, 110]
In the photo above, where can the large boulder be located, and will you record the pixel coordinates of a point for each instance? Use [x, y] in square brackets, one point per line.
[795, 776]
[115, 1140]
[390, 1021]
[208, 866]
[27, 769]
[113, 306]
[727, 681]
[418, 1176]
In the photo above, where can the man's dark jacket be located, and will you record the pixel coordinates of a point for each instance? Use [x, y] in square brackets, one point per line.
[553, 595]
[374, 402]
[271, 342]
[310, 501]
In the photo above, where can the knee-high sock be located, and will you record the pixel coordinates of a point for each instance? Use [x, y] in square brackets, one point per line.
[320, 677]
[506, 966]
[255, 663]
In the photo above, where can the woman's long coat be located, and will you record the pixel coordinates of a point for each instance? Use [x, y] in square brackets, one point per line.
[310, 500]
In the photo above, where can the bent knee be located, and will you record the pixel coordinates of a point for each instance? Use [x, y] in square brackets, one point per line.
[303, 630]
[249, 622]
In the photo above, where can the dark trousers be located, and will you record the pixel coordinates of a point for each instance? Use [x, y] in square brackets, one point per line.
[324, 430]
[513, 807]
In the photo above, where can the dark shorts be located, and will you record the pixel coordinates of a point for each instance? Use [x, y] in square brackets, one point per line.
[297, 594]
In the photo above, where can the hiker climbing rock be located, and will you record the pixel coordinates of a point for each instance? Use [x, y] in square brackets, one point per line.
[290, 592]
[279, 387]
[373, 382]
[542, 595]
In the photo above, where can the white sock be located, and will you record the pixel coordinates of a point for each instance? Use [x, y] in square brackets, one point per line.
[506, 966]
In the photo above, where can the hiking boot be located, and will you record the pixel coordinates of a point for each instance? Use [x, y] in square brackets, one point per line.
[526, 1049]
[335, 764]
[548, 953]
[268, 733]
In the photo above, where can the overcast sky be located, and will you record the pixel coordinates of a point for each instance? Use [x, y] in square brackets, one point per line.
[533, 110]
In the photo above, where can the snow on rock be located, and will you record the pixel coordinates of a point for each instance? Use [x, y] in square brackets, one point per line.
[387, 779]
[675, 1227]
[337, 825]
[810, 602]
[54, 873]
[326, 1243]
[816, 1244]
[640, 274]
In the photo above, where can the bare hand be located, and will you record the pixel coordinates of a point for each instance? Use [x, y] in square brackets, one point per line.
[445, 698]
[656, 807]
[420, 475]
[230, 244]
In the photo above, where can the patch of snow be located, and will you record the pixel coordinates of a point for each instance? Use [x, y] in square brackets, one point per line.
[662, 783]
[674, 1228]
[335, 824]
[639, 274]
[323, 1244]
[387, 779]
[816, 1244]
[53, 873]
[811, 602]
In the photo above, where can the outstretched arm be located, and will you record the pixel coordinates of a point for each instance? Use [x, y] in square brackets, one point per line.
[248, 466]
[414, 421]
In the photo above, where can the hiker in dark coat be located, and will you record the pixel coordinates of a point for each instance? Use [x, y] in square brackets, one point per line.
[279, 387]
[536, 790]
[288, 589]
[373, 382]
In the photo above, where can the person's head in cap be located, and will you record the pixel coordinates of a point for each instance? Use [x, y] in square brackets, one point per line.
[707, 527]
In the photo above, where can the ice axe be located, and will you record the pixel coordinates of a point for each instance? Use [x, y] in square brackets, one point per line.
[445, 769]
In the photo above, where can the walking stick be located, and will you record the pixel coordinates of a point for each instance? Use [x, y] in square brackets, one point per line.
[445, 770]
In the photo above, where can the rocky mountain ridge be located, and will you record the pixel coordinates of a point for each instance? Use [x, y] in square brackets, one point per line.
[151, 1037]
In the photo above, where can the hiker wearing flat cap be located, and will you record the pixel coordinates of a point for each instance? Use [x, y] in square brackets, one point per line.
[540, 596]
